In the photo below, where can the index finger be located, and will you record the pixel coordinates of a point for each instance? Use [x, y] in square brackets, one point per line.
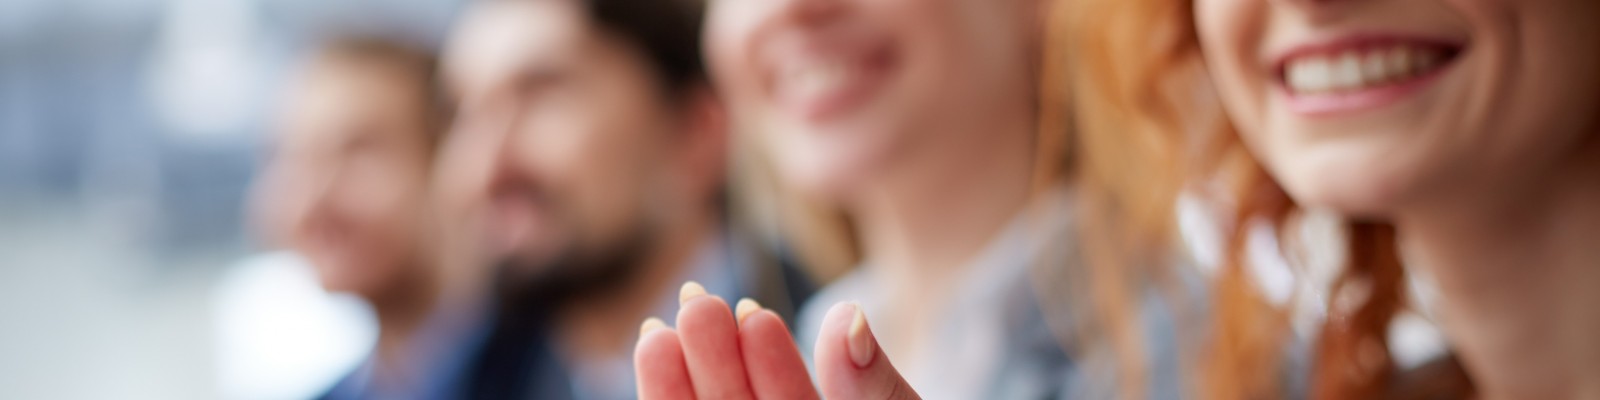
[711, 346]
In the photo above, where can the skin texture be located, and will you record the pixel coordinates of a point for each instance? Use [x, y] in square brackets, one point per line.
[908, 87]
[537, 156]
[1517, 100]
[775, 367]
[763, 362]
[931, 74]
[1487, 172]
[349, 172]
[348, 188]
[573, 165]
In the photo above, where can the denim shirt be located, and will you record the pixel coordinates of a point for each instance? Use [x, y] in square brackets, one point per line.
[440, 355]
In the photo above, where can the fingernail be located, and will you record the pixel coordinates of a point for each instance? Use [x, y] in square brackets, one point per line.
[861, 345]
[651, 324]
[746, 307]
[690, 290]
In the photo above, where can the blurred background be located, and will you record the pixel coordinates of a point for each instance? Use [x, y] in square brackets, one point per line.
[129, 130]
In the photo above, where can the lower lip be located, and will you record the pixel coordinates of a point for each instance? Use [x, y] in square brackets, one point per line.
[862, 88]
[510, 226]
[1331, 104]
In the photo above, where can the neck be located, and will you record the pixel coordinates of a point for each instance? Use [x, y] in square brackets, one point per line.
[601, 327]
[922, 225]
[401, 313]
[1517, 271]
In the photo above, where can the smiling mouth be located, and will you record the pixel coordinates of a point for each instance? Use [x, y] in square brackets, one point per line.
[1354, 75]
[1363, 68]
[821, 87]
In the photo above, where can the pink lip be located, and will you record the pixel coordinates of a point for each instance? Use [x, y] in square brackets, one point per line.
[1327, 104]
[872, 70]
[873, 62]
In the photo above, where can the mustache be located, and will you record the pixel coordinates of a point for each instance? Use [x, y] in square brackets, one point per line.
[519, 188]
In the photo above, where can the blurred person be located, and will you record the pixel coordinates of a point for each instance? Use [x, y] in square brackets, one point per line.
[588, 160]
[348, 188]
[920, 121]
[1458, 140]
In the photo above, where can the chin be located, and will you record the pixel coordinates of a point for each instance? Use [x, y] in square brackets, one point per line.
[1358, 170]
[829, 177]
[345, 278]
[816, 186]
[1365, 186]
[335, 283]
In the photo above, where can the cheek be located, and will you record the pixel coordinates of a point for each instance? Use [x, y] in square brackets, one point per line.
[1214, 22]
[272, 204]
[385, 200]
[596, 170]
[462, 174]
[1555, 80]
[1229, 33]
[730, 29]
[935, 81]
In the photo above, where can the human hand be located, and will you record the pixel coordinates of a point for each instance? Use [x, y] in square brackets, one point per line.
[716, 353]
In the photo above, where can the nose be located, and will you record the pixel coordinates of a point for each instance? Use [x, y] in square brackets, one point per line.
[501, 159]
[1312, 5]
[292, 204]
[811, 12]
[479, 151]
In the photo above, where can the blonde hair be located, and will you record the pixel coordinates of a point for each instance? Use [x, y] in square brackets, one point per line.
[817, 235]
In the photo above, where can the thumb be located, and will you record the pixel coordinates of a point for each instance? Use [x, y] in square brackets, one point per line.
[850, 364]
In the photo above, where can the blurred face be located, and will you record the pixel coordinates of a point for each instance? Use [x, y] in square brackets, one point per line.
[345, 186]
[1372, 105]
[564, 143]
[850, 92]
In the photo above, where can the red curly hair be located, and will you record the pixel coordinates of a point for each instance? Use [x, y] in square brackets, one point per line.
[1145, 124]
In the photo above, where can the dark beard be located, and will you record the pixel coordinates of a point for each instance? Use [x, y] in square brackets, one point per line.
[526, 290]
[527, 296]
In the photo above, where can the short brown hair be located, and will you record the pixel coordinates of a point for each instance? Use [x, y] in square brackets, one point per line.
[418, 64]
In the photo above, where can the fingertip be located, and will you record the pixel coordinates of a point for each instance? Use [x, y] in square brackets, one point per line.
[651, 324]
[841, 311]
[776, 369]
[660, 367]
[766, 323]
[711, 346]
[745, 308]
[831, 347]
[859, 340]
[690, 291]
[653, 341]
[836, 323]
[846, 333]
[702, 310]
[850, 362]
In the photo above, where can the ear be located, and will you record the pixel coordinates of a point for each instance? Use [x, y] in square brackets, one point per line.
[705, 140]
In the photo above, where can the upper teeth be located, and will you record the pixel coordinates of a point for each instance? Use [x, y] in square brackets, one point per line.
[1358, 69]
[816, 79]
